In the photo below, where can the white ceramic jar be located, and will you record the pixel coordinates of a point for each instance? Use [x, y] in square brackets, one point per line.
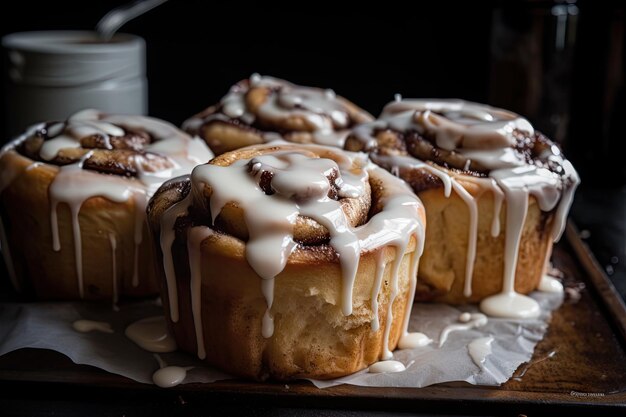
[52, 74]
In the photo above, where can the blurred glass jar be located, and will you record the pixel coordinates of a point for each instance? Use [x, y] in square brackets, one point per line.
[532, 49]
[52, 74]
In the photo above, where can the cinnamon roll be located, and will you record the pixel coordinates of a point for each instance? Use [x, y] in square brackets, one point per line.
[288, 261]
[73, 196]
[496, 193]
[262, 109]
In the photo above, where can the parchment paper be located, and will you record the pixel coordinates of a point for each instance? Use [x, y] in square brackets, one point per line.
[49, 326]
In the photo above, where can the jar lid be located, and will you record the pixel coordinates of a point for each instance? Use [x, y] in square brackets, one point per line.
[72, 58]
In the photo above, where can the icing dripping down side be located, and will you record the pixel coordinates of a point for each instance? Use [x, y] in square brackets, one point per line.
[114, 284]
[299, 187]
[194, 241]
[484, 135]
[73, 185]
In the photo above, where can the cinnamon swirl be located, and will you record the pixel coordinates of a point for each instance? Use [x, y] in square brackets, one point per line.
[73, 196]
[288, 261]
[262, 109]
[496, 193]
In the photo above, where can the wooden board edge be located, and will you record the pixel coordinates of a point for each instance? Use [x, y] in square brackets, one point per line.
[610, 298]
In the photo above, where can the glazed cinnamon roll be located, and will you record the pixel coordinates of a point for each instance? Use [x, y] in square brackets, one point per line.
[496, 193]
[73, 196]
[288, 261]
[262, 109]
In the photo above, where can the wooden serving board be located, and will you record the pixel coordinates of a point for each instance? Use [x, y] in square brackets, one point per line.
[580, 364]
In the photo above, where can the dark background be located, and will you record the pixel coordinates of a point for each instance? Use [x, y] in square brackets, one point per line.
[501, 53]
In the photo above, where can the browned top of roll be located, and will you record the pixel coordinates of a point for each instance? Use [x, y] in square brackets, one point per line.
[274, 108]
[119, 145]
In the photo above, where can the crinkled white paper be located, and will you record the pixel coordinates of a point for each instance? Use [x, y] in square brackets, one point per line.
[49, 326]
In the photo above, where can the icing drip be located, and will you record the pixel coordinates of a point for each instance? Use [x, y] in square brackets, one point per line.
[380, 270]
[479, 349]
[86, 326]
[74, 185]
[299, 187]
[270, 221]
[386, 367]
[397, 163]
[267, 288]
[166, 240]
[113, 242]
[169, 376]
[325, 116]
[151, 334]
[550, 284]
[140, 217]
[466, 322]
[387, 354]
[414, 340]
[194, 241]
[487, 136]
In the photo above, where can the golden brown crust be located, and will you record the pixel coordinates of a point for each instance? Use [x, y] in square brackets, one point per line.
[118, 155]
[49, 274]
[224, 133]
[441, 275]
[312, 338]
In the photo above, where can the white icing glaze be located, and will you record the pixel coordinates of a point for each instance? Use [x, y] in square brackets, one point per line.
[151, 334]
[195, 237]
[166, 240]
[74, 185]
[380, 270]
[386, 367]
[414, 340]
[326, 116]
[300, 188]
[550, 284]
[510, 305]
[479, 349]
[114, 284]
[86, 326]
[141, 202]
[170, 376]
[397, 163]
[466, 323]
[485, 135]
